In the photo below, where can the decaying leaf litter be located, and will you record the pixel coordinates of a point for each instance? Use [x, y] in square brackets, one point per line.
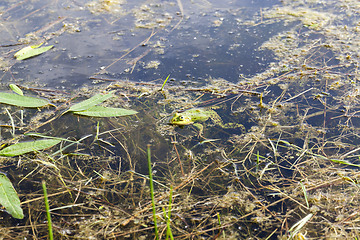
[292, 174]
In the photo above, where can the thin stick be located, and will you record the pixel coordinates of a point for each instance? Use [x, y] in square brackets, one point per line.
[35, 11]
[177, 153]
[143, 42]
[181, 7]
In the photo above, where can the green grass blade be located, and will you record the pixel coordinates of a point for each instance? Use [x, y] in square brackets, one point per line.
[9, 198]
[91, 102]
[168, 217]
[340, 161]
[164, 82]
[26, 147]
[51, 237]
[99, 111]
[168, 229]
[22, 101]
[305, 194]
[152, 191]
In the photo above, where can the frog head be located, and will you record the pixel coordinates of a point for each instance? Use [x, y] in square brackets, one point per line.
[181, 119]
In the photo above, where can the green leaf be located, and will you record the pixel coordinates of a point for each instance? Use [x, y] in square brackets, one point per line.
[91, 102]
[16, 89]
[99, 111]
[22, 101]
[9, 198]
[26, 147]
[31, 51]
[26, 49]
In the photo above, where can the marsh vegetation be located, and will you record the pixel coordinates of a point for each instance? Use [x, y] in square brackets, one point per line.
[291, 174]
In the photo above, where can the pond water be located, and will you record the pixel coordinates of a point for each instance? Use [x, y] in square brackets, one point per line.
[285, 70]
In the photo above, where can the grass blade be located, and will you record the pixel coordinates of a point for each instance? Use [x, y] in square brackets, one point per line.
[305, 194]
[152, 191]
[9, 198]
[51, 237]
[168, 217]
[297, 226]
[162, 87]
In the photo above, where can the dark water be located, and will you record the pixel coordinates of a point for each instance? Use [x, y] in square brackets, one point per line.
[196, 49]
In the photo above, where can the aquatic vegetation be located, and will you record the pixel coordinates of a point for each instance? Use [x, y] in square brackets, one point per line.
[290, 173]
[22, 101]
[9, 198]
[31, 51]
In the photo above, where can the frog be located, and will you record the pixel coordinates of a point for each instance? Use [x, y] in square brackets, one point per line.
[195, 116]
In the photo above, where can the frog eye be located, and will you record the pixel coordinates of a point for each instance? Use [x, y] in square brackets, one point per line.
[181, 118]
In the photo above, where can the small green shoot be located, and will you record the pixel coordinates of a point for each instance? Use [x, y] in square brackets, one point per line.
[219, 221]
[305, 193]
[168, 229]
[51, 237]
[16, 89]
[168, 217]
[162, 87]
[152, 191]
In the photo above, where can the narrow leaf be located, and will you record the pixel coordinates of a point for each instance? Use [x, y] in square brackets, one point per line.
[9, 198]
[89, 103]
[16, 89]
[99, 111]
[26, 147]
[22, 101]
[31, 52]
[33, 134]
[162, 87]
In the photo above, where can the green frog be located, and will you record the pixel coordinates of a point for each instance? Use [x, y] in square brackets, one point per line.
[195, 115]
